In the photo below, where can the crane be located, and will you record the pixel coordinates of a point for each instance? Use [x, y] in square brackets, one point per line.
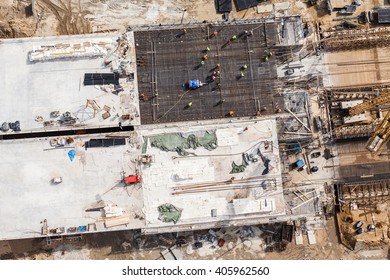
[382, 133]
[369, 104]
[380, 137]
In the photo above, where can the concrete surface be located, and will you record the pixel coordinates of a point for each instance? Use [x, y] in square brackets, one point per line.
[27, 196]
[36, 89]
[212, 166]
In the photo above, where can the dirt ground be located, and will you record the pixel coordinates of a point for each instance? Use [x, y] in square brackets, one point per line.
[16, 19]
[131, 245]
[65, 17]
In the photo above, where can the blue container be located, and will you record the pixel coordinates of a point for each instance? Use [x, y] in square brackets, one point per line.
[82, 228]
[194, 84]
[299, 163]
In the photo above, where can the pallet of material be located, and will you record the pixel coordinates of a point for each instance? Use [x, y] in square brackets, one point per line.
[117, 221]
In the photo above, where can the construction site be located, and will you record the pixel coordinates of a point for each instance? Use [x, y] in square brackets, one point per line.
[259, 132]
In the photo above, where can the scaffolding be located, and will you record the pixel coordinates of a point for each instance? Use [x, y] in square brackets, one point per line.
[364, 193]
[355, 131]
[356, 39]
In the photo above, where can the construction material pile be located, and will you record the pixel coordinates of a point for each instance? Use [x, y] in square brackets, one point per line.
[176, 142]
[169, 213]
[63, 51]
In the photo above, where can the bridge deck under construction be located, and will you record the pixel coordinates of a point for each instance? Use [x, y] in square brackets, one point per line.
[168, 58]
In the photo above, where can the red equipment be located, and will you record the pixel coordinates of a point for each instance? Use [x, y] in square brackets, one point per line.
[132, 179]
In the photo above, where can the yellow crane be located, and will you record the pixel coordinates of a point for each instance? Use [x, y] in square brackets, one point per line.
[369, 104]
[380, 137]
[382, 133]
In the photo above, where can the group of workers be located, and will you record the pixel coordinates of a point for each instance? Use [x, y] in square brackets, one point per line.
[216, 70]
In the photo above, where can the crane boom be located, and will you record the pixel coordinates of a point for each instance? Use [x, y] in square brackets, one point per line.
[369, 104]
[380, 137]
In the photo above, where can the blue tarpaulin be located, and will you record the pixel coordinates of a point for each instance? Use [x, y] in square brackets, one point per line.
[71, 154]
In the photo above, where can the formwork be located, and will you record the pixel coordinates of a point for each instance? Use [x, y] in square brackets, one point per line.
[167, 58]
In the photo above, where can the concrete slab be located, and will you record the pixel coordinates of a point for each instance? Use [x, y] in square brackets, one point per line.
[206, 182]
[311, 237]
[357, 67]
[92, 179]
[32, 89]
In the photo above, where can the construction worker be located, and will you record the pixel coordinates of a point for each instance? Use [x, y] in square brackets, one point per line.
[242, 74]
[231, 113]
[245, 67]
[189, 104]
[218, 65]
[247, 33]
[202, 62]
[270, 53]
[205, 57]
[215, 33]
[221, 101]
[218, 72]
[207, 49]
[234, 37]
[214, 73]
[213, 78]
[266, 58]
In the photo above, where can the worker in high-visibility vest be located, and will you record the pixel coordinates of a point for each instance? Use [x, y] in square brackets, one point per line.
[202, 62]
[231, 113]
[242, 74]
[215, 33]
[189, 104]
[221, 101]
[234, 37]
[207, 49]
[205, 57]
